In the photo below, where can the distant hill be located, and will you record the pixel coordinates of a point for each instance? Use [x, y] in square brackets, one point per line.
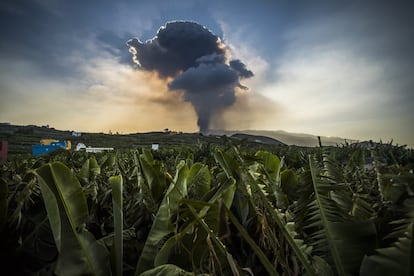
[298, 139]
[22, 138]
[257, 139]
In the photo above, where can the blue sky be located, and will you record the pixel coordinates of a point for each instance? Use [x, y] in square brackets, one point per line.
[334, 68]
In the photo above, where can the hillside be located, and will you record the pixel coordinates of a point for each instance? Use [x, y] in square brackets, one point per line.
[257, 139]
[22, 138]
[298, 139]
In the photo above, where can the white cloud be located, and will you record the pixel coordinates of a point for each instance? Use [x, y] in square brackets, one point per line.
[326, 87]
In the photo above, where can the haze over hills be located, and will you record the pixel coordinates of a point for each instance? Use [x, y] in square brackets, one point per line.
[298, 139]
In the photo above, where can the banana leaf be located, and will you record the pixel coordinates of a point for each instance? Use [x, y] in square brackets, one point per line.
[166, 270]
[222, 257]
[297, 245]
[144, 187]
[270, 170]
[256, 249]
[89, 169]
[195, 240]
[79, 252]
[243, 201]
[116, 184]
[340, 239]
[248, 178]
[108, 162]
[161, 226]
[199, 180]
[398, 258]
[395, 260]
[289, 184]
[153, 175]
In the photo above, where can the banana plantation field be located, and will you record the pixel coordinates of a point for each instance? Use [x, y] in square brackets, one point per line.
[210, 210]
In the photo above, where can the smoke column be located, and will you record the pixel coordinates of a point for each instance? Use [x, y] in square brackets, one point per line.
[197, 61]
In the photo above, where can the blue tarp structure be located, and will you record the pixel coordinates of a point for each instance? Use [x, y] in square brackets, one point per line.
[45, 149]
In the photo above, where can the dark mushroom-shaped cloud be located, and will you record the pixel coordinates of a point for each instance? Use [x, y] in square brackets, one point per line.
[197, 60]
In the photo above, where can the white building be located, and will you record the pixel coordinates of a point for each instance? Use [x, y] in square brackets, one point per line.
[81, 146]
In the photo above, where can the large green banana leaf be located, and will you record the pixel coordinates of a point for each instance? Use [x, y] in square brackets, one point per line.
[196, 240]
[271, 170]
[199, 180]
[144, 187]
[161, 226]
[79, 252]
[89, 168]
[117, 248]
[395, 260]
[166, 270]
[155, 179]
[398, 258]
[339, 238]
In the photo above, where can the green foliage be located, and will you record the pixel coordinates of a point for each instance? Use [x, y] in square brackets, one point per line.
[162, 226]
[394, 260]
[166, 269]
[338, 237]
[118, 248]
[229, 210]
[79, 252]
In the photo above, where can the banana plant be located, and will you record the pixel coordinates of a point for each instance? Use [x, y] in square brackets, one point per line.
[397, 258]
[194, 181]
[162, 226]
[197, 223]
[117, 201]
[338, 238]
[258, 196]
[166, 269]
[65, 202]
[394, 260]
[228, 210]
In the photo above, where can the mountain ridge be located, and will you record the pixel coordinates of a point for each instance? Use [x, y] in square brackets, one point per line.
[30, 134]
[289, 138]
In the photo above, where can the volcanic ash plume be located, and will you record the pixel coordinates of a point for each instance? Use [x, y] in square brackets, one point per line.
[197, 62]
